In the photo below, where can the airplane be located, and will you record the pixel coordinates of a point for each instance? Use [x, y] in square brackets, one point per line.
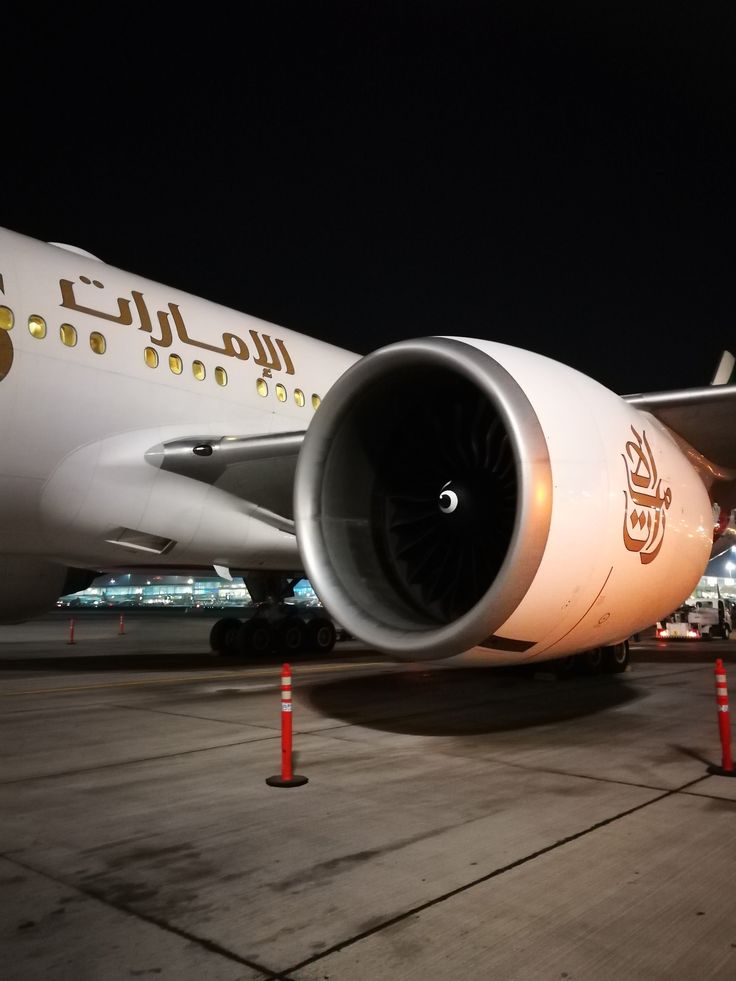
[442, 494]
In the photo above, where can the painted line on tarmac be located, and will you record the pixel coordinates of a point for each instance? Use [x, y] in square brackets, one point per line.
[232, 676]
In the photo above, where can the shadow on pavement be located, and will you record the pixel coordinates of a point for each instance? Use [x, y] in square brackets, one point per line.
[460, 701]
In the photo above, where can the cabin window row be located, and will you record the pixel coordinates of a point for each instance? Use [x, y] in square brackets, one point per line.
[97, 342]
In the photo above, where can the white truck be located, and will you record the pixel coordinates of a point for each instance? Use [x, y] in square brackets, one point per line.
[712, 618]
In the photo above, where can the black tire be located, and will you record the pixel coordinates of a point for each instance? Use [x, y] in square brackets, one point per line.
[725, 631]
[255, 637]
[222, 636]
[292, 635]
[591, 662]
[616, 658]
[321, 635]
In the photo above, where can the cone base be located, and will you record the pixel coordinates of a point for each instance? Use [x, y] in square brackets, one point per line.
[720, 772]
[278, 781]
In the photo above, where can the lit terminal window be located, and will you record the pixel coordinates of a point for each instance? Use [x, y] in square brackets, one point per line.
[198, 370]
[262, 388]
[6, 318]
[299, 396]
[97, 342]
[150, 356]
[175, 363]
[280, 392]
[316, 401]
[37, 326]
[68, 335]
[221, 376]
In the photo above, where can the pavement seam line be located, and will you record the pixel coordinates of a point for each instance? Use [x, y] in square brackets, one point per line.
[154, 710]
[490, 875]
[134, 762]
[147, 918]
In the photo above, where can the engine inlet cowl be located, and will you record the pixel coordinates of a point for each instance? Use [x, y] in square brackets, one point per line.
[422, 498]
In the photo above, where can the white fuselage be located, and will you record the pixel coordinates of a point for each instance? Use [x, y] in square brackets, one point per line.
[77, 420]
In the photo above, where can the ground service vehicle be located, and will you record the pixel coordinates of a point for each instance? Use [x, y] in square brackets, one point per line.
[712, 618]
[677, 627]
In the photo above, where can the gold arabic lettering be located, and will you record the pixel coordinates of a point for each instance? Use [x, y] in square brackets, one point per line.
[233, 346]
[123, 316]
[645, 504]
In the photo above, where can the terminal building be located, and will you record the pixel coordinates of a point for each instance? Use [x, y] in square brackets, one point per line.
[719, 581]
[135, 589]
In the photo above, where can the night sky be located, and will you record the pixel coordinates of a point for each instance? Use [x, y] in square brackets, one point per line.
[555, 176]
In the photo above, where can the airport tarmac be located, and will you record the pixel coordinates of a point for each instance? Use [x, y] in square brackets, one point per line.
[459, 822]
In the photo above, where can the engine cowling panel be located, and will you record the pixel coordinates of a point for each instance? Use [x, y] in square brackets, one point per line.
[455, 493]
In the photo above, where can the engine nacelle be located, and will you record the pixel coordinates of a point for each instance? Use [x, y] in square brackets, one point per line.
[31, 586]
[455, 493]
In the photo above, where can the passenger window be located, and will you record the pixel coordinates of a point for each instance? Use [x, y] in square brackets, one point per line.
[220, 376]
[262, 388]
[97, 342]
[280, 392]
[150, 356]
[7, 319]
[175, 363]
[68, 335]
[299, 396]
[316, 401]
[37, 327]
[198, 370]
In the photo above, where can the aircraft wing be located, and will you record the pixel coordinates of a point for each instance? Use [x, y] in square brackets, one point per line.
[704, 417]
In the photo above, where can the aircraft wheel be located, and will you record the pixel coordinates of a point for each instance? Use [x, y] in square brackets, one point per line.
[255, 637]
[726, 631]
[616, 658]
[292, 635]
[321, 635]
[591, 662]
[222, 636]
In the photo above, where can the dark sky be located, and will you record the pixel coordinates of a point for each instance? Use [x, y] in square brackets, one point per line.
[555, 176]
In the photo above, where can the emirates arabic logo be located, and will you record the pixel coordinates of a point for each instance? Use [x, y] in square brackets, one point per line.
[644, 515]
[233, 345]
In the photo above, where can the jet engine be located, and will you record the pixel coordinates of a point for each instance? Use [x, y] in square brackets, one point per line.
[454, 494]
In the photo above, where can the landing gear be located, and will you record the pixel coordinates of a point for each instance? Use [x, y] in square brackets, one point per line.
[223, 636]
[276, 625]
[292, 635]
[321, 635]
[261, 635]
[599, 660]
[255, 636]
[591, 662]
[616, 658]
